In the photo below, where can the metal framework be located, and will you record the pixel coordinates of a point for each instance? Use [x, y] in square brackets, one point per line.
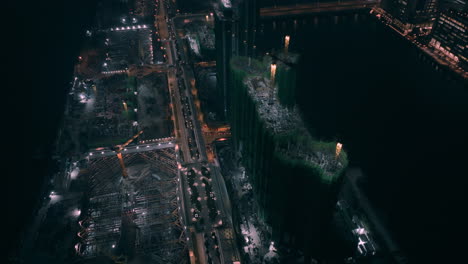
[153, 211]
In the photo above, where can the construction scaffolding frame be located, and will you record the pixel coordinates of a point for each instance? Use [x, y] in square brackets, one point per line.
[153, 211]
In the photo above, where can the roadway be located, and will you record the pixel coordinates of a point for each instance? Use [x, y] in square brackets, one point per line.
[131, 149]
[174, 91]
[189, 135]
[181, 117]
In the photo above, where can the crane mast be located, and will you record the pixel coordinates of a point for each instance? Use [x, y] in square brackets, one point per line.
[119, 149]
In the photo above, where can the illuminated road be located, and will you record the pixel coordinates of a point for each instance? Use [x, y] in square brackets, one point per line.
[187, 114]
[303, 9]
[206, 63]
[131, 149]
[181, 135]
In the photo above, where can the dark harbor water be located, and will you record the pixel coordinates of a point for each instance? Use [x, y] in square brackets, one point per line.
[399, 119]
[194, 6]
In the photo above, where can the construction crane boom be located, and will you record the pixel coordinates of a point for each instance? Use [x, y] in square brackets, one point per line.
[119, 148]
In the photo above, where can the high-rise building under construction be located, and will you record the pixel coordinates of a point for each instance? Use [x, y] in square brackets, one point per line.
[235, 30]
[248, 13]
[295, 178]
[226, 47]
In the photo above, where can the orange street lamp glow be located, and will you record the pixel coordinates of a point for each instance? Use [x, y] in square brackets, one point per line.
[339, 146]
[273, 73]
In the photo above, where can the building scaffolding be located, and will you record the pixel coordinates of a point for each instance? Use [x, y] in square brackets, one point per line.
[138, 216]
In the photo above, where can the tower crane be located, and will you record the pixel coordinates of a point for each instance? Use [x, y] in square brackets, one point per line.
[119, 148]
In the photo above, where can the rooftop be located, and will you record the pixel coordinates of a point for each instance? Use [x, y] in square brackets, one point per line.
[277, 118]
[294, 140]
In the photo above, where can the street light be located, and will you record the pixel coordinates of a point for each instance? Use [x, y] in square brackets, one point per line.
[286, 43]
[338, 149]
[272, 73]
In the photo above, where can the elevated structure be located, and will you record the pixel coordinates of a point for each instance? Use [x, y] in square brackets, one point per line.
[295, 177]
[286, 78]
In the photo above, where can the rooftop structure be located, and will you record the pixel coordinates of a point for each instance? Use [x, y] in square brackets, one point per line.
[282, 121]
[277, 118]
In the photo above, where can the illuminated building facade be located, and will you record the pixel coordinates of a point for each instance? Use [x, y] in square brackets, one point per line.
[410, 13]
[450, 36]
[460, 5]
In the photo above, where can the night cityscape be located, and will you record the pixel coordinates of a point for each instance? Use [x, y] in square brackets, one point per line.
[240, 131]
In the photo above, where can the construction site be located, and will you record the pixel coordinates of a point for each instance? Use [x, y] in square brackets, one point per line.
[135, 215]
[198, 32]
[200, 36]
[127, 44]
[109, 110]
